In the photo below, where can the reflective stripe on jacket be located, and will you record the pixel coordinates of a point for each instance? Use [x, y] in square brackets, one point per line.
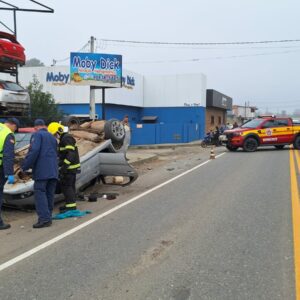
[68, 154]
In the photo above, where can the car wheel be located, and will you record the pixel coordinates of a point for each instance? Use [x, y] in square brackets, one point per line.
[297, 142]
[114, 130]
[70, 121]
[279, 147]
[231, 148]
[250, 144]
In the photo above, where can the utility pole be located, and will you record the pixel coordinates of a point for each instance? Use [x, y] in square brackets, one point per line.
[15, 33]
[92, 89]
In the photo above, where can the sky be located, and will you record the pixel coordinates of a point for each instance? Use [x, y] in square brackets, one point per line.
[265, 75]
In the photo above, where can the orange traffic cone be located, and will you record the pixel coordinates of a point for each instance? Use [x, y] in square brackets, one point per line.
[212, 153]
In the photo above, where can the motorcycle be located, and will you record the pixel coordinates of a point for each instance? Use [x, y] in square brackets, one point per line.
[210, 139]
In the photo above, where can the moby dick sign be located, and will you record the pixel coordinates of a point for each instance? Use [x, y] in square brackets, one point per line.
[103, 70]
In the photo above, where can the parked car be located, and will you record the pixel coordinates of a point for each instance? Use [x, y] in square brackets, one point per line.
[14, 99]
[99, 162]
[264, 131]
[11, 51]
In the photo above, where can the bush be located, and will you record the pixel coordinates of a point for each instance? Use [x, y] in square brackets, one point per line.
[42, 104]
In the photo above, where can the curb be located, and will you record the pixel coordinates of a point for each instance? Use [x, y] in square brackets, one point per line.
[144, 160]
[164, 146]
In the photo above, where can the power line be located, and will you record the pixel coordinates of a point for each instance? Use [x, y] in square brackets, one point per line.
[201, 43]
[215, 57]
[83, 48]
[104, 45]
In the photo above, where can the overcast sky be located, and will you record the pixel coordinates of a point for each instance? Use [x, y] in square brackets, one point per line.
[267, 76]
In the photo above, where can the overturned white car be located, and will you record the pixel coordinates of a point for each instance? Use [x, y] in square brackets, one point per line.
[101, 145]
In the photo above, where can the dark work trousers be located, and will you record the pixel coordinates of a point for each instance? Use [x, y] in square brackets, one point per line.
[67, 181]
[44, 197]
[2, 183]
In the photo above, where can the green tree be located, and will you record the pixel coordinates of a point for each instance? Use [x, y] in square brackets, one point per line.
[34, 62]
[42, 104]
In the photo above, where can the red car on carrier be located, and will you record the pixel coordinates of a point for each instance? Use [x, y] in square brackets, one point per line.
[11, 51]
[264, 131]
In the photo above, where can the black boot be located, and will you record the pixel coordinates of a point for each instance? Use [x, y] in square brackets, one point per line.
[42, 224]
[4, 226]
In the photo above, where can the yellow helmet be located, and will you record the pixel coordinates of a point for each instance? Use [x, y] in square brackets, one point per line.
[55, 127]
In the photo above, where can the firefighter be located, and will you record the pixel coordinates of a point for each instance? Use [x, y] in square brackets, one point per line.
[69, 164]
[7, 155]
[42, 159]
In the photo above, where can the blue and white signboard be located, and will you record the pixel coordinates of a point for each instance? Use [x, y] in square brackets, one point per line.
[103, 70]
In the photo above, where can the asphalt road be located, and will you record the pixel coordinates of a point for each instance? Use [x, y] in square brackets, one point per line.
[222, 231]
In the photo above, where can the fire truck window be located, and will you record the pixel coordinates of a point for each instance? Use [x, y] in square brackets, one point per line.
[269, 124]
[282, 123]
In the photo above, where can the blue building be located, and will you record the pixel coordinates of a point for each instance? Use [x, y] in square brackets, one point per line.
[161, 109]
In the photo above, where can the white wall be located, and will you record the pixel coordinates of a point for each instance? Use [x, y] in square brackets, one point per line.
[175, 90]
[148, 91]
[241, 111]
[64, 92]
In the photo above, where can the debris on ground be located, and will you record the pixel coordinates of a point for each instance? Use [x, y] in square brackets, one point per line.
[93, 197]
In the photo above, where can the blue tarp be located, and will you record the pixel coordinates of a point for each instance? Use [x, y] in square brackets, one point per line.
[71, 214]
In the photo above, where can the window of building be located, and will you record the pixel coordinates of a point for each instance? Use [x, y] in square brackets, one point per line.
[212, 120]
[220, 120]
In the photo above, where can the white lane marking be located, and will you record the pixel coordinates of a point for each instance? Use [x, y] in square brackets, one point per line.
[42, 246]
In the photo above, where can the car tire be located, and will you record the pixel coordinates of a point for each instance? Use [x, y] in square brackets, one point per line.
[250, 144]
[297, 142]
[231, 148]
[114, 130]
[70, 121]
[279, 147]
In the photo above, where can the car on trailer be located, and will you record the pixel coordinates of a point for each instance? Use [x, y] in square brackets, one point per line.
[12, 53]
[14, 99]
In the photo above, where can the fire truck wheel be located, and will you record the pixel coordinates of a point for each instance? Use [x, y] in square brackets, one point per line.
[231, 148]
[297, 142]
[250, 144]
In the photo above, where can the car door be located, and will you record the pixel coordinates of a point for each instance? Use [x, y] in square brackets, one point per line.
[285, 131]
[269, 133]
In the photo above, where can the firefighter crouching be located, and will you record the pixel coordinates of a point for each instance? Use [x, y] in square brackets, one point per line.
[69, 164]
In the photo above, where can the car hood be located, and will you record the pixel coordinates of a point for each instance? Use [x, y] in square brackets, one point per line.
[239, 129]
